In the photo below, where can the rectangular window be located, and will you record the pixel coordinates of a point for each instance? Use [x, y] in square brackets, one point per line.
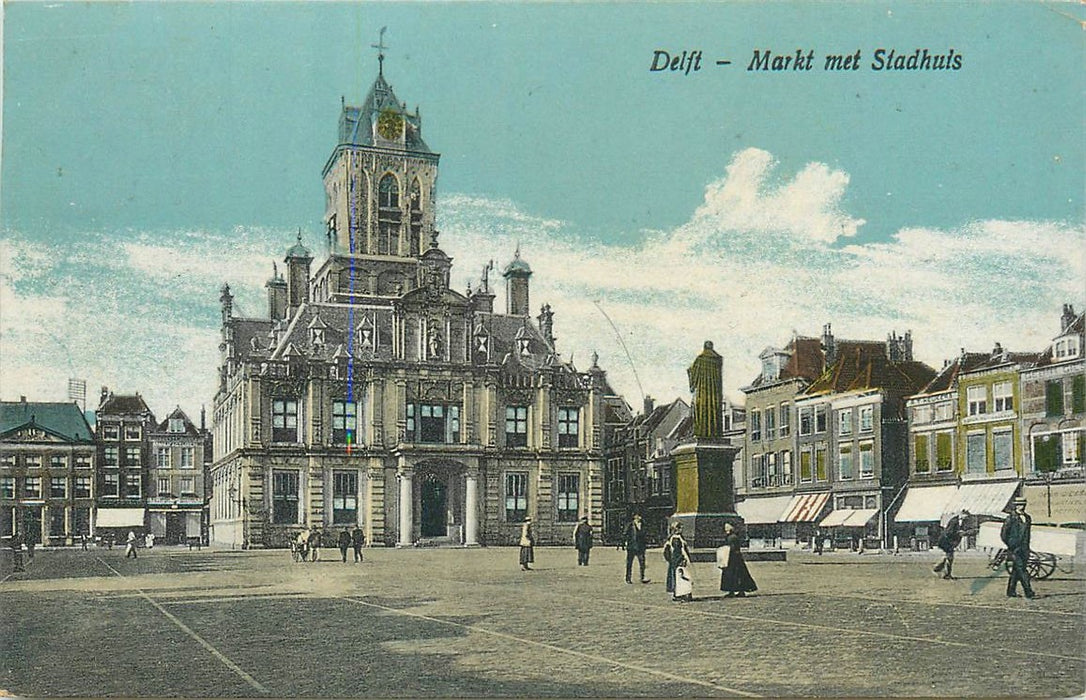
[284, 497]
[111, 431]
[162, 457]
[285, 422]
[820, 419]
[6, 521]
[56, 522]
[132, 432]
[844, 461]
[163, 486]
[32, 487]
[516, 496]
[410, 421]
[786, 467]
[187, 457]
[344, 423]
[920, 450]
[755, 425]
[82, 487]
[516, 426]
[616, 482]
[844, 421]
[867, 419]
[770, 423]
[1001, 450]
[569, 427]
[1078, 394]
[344, 497]
[188, 486]
[454, 424]
[944, 411]
[111, 485]
[132, 456]
[569, 489]
[82, 461]
[771, 476]
[81, 521]
[7, 487]
[785, 413]
[132, 486]
[58, 463]
[431, 423]
[977, 397]
[1072, 448]
[58, 487]
[33, 461]
[757, 471]
[176, 425]
[1054, 398]
[7, 461]
[976, 457]
[806, 421]
[922, 414]
[867, 460]
[1002, 397]
[944, 452]
[820, 464]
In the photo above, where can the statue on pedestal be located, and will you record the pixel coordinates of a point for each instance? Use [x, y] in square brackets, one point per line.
[707, 385]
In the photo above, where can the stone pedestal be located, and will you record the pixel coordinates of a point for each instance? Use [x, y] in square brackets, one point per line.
[704, 490]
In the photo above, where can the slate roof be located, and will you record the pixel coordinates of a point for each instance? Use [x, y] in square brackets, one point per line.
[190, 427]
[1077, 325]
[64, 420]
[123, 405]
[947, 377]
[864, 365]
[806, 358]
[354, 122]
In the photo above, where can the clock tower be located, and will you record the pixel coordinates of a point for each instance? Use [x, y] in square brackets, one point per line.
[379, 188]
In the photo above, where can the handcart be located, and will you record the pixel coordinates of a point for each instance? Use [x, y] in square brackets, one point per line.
[1048, 546]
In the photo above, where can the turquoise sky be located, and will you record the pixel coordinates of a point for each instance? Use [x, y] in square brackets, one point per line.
[216, 115]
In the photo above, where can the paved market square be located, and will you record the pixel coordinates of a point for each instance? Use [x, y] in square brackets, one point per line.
[453, 622]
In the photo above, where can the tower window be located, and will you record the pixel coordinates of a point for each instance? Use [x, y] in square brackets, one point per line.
[416, 217]
[388, 215]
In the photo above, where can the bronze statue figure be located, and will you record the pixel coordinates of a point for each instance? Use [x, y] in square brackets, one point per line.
[706, 383]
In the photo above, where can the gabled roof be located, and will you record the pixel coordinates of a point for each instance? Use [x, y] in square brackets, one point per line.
[355, 122]
[190, 427]
[124, 405]
[63, 420]
[947, 377]
[1076, 326]
[1001, 358]
[864, 365]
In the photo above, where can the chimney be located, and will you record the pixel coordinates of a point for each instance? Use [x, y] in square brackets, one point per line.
[1067, 318]
[104, 395]
[997, 350]
[829, 346]
[227, 301]
[277, 295]
[650, 404]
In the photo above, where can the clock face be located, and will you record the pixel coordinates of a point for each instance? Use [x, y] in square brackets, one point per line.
[390, 125]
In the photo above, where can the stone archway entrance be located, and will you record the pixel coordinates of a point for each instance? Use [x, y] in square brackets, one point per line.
[434, 506]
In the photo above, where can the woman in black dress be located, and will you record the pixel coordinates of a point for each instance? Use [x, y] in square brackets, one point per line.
[734, 578]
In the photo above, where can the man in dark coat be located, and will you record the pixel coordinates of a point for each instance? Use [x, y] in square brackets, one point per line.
[344, 543]
[948, 541]
[582, 540]
[358, 539]
[1015, 535]
[635, 547]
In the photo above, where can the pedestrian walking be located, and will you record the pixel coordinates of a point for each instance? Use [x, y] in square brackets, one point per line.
[358, 539]
[83, 541]
[301, 545]
[635, 548]
[16, 544]
[30, 542]
[149, 540]
[677, 556]
[948, 541]
[1015, 534]
[819, 541]
[130, 545]
[315, 545]
[344, 543]
[735, 579]
[527, 545]
[109, 541]
[582, 540]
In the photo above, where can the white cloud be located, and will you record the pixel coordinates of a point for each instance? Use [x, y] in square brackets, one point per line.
[755, 261]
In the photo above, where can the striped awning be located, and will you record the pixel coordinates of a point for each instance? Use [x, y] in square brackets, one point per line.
[762, 511]
[805, 508]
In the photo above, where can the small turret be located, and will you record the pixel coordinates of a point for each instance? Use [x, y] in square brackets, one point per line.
[516, 276]
[277, 295]
[298, 259]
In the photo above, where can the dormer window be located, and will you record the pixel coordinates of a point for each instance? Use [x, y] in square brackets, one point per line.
[523, 346]
[770, 368]
[176, 425]
[316, 336]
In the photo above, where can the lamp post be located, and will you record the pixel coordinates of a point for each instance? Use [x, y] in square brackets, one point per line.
[237, 499]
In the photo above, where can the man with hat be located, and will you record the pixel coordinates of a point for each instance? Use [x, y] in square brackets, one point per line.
[582, 540]
[635, 547]
[948, 541]
[1015, 535]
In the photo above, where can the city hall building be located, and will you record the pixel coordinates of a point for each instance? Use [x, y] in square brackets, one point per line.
[374, 395]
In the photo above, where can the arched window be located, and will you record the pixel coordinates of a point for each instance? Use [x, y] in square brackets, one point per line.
[416, 217]
[388, 215]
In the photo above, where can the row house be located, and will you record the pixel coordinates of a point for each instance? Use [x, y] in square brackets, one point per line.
[123, 424]
[374, 395]
[177, 497]
[991, 426]
[47, 466]
[825, 440]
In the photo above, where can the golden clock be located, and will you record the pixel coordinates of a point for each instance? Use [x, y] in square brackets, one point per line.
[390, 125]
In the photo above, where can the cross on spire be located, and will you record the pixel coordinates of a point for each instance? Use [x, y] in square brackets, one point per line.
[380, 46]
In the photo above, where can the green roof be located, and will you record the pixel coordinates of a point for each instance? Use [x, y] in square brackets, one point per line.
[65, 420]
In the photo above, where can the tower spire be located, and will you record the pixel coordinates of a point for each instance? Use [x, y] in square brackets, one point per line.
[380, 46]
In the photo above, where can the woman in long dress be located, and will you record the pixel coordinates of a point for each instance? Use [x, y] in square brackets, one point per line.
[735, 579]
[527, 545]
[677, 554]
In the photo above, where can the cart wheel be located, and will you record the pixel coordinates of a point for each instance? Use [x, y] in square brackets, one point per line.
[998, 560]
[1041, 565]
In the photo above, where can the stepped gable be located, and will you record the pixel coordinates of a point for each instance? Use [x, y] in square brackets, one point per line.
[61, 420]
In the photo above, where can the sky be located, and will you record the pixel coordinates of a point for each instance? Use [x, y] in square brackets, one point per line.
[153, 151]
